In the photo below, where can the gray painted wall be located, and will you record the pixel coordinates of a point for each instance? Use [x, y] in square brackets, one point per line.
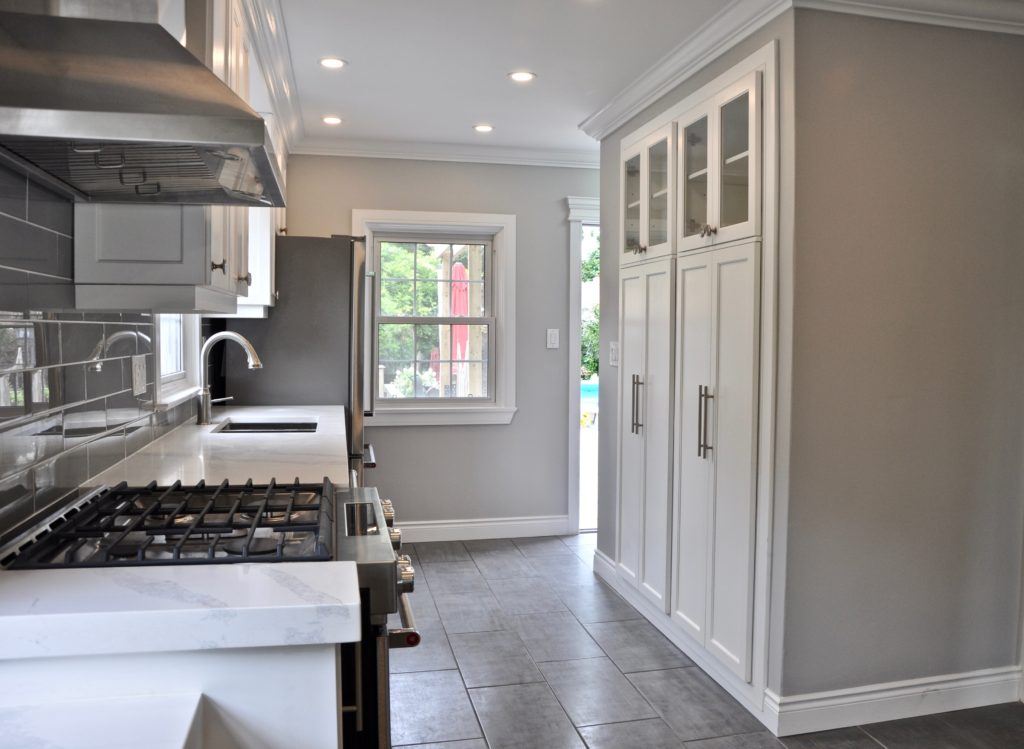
[514, 470]
[905, 505]
[303, 344]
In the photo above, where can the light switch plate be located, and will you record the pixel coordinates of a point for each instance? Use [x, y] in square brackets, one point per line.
[613, 353]
[552, 337]
[139, 374]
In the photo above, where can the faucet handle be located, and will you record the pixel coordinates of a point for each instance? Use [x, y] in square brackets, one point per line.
[222, 400]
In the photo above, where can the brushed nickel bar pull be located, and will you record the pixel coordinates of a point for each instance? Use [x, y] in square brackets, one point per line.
[704, 435]
[700, 421]
[639, 384]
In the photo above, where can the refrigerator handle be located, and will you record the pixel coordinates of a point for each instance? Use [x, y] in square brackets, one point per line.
[370, 392]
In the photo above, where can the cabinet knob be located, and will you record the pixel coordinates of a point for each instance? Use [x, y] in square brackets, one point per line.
[221, 266]
[247, 278]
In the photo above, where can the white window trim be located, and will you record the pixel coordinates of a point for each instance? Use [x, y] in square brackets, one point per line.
[502, 227]
[179, 387]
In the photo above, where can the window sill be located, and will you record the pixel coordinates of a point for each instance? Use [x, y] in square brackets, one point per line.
[439, 416]
[170, 399]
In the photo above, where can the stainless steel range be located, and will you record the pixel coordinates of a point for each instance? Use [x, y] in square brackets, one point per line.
[230, 523]
[201, 524]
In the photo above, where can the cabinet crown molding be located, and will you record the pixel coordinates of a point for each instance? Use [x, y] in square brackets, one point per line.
[741, 18]
[265, 21]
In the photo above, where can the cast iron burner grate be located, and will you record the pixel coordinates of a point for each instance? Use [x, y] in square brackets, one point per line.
[202, 524]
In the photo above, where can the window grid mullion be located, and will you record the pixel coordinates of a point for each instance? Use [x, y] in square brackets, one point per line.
[487, 321]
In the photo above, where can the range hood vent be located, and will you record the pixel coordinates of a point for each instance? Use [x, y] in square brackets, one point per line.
[114, 111]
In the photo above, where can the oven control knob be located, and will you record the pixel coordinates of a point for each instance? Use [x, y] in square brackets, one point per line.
[396, 538]
[406, 574]
[388, 508]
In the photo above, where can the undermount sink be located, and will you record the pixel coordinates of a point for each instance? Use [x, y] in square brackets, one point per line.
[263, 427]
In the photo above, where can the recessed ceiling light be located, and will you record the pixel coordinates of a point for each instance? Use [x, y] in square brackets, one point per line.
[333, 63]
[331, 119]
[483, 128]
[522, 76]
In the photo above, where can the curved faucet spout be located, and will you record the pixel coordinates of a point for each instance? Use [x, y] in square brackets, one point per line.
[205, 405]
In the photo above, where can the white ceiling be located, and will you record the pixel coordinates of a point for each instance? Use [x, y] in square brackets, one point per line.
[422, 73]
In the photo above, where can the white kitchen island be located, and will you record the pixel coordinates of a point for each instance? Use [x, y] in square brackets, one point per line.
[252, 645]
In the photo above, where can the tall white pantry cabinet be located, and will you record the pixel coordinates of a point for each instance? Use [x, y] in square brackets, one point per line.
[689, 370]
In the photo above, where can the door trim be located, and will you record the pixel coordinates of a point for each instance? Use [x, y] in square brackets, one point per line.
[582, 212]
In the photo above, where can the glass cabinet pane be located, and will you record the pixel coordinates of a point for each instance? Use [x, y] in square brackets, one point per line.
[657, 191]
[735, 167]
[695, 177]
[631, 221]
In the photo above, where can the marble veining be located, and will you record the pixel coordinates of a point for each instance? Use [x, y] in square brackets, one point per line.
[67, 612]
[164, 589]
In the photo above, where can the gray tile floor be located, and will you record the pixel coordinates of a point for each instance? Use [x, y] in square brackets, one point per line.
[525, 648]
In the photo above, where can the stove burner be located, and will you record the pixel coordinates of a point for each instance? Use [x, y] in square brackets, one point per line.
[127, 526]
[258, 547]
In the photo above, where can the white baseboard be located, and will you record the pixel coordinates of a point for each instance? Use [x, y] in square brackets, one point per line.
[472, 530]
[821, 711]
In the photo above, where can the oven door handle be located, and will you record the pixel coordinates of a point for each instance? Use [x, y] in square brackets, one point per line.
[407, 636]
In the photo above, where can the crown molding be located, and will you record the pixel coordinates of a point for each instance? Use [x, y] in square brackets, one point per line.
[999, 16]
[269, 39]
[384, 149]
[741, 18]
[587, 210]
[728, 27]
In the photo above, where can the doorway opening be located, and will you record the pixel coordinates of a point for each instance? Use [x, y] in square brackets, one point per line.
[589, 372]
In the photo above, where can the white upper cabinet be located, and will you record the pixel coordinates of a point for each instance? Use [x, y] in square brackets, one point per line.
[180, 258]
[230, 224]
[719, 165]
[648, 198]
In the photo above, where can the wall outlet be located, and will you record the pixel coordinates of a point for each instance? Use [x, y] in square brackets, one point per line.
[552, 337]
[139, 374]
[613, 354]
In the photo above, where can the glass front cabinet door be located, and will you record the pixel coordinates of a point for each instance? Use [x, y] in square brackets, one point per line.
[648, 179]
[720, 167]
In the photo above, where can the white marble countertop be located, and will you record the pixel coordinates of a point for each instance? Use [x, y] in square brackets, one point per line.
[170, 721]
[67, 612]
[191, 452]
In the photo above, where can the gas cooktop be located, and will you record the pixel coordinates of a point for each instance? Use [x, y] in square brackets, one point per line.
[201, 524]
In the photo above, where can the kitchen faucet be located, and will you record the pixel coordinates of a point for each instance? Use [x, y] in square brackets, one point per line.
[205, 404]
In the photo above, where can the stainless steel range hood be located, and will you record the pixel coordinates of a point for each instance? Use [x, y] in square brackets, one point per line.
[116, 111]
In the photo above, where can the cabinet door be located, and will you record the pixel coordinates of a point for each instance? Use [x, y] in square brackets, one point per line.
[696, 162]
[693, 468]
[654, 394]
[658, 189]
[142, 244]
[229, 225]
[737, 153]
[733, 426]
[631, 448]
[631, 205]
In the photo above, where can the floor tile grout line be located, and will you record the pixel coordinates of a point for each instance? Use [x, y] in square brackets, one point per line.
[864, 730]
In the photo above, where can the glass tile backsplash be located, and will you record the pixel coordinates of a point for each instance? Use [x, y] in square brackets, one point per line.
[67, 411]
